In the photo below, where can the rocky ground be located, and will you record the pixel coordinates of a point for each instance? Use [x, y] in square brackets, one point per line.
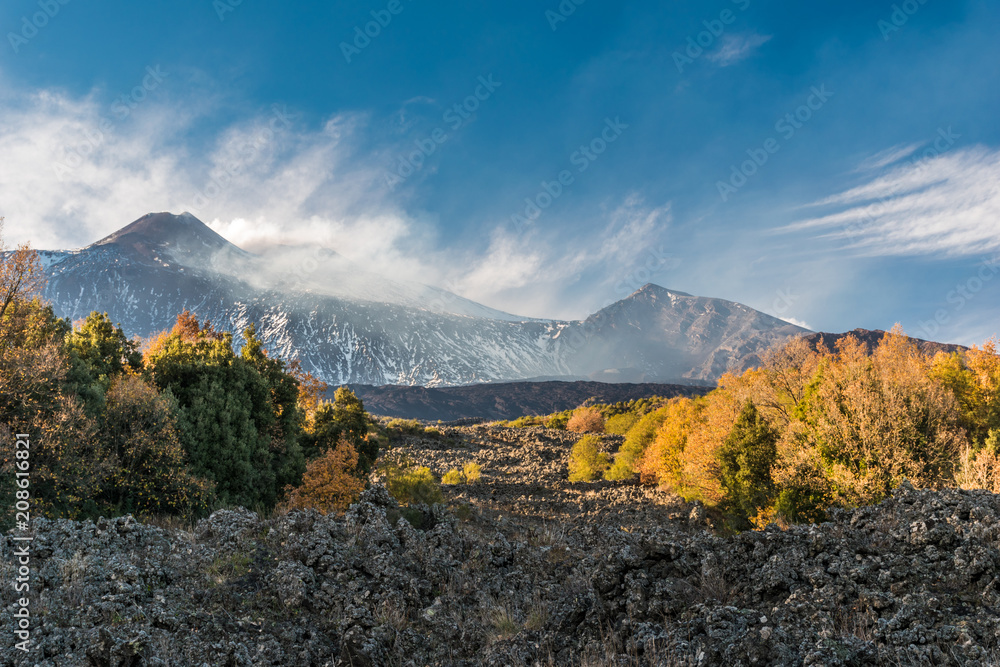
[521, 568]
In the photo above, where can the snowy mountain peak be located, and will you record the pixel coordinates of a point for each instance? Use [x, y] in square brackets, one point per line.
[349, 325]
[184, 236]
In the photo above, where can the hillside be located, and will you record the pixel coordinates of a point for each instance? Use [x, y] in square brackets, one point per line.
[870, 338]
[537, 571]
[504, 400]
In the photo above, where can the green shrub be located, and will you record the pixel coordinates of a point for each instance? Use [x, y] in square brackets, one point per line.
[796, 505]
[559, 420]
[586, 461]
[526, 421]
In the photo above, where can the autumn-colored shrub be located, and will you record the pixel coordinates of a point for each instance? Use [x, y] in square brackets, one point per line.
[409, 484]
[472, 472]
[452, 477]
[329, 483]
[586, 420]
[655, 446]
[586, 461]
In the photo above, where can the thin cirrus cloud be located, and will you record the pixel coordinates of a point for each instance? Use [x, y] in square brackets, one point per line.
[274, 178]
[888, 156]
[735, 48]
[947, 205]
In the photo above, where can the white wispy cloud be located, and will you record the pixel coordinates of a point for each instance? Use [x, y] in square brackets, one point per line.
[734, 48]
[888, 156]
[68, 178]
[536, 272]
[947, 205]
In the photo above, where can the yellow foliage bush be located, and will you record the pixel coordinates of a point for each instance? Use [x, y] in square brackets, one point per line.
[471, 471]
[453, 477]
[586, 461]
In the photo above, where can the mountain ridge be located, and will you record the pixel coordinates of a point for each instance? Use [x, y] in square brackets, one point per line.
[375, 331]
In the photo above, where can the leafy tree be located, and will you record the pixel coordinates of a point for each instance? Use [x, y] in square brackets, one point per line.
[660, 461]
[21, 279]
[149, 471]
[621, 423]
[285, 428]
[346, 418]
[745, 462]
[98, 352]
[329, 483]
[237, 417]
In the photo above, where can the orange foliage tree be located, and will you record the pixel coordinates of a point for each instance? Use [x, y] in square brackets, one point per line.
[329, 483]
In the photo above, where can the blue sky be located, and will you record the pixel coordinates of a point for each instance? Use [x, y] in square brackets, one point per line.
[865, 132]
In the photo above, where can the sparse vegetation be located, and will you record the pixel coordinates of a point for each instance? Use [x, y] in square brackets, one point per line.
[472, 472]
[469, 473]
